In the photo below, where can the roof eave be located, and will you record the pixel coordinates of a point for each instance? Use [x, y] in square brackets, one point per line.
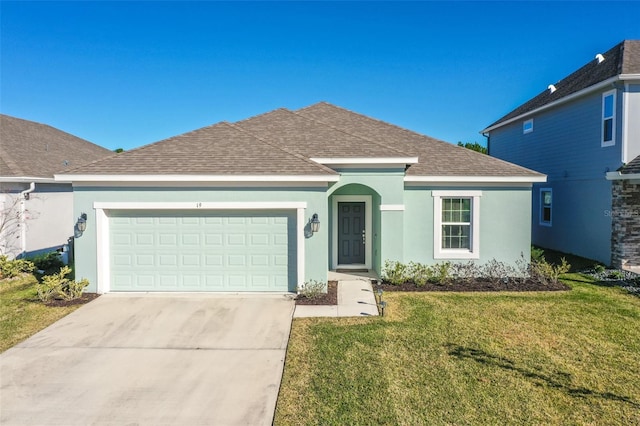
[477, 179]
[622, 176]
[28, 179]
[196, 178]
[563, 100]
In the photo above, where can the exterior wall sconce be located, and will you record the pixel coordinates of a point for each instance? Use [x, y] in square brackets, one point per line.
[81, 224]
[315, 223]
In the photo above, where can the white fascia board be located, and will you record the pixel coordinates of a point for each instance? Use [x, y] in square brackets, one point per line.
[197, 178]
[621, 176]
[362, 161]
[629, 76]
[476, 179]
[195, 205]
[26, 179]
[560, 101]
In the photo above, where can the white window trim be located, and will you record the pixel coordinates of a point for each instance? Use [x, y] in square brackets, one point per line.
[102, 228]
[540, 212]
[612, 142]
[524, 124]
[438, 251]
[366, 199]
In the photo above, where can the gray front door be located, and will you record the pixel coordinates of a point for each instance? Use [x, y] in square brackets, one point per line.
[351, 233]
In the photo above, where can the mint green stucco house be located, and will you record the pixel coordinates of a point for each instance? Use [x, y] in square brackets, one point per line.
[230, 207]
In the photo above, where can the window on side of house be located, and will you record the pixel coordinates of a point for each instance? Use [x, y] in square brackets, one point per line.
[546, 206]
[608, 118]
[527, 126]
[456, 224]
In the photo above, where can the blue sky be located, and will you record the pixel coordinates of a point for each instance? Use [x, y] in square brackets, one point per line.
[124, 74]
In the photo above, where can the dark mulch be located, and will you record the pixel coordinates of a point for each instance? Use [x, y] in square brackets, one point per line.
[329, 298]
[85, 298]
[529, 285]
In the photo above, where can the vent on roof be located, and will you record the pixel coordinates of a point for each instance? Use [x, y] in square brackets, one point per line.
[551, 88]
[600, 58]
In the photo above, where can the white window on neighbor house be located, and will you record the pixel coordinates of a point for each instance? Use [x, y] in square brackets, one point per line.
[608, 118]
[546, 206]
[527, 126]
[456, 227]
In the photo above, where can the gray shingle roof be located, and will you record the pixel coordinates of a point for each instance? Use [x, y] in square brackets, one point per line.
[633, 167]
[313, 138]
[436, 157]
[220, 149]
[29, 149]
[281, 142]
[623, 58]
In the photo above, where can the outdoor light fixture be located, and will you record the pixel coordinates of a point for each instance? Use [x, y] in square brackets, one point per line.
[380, 294]
[81, 224]
[315, 223]
[383, 305]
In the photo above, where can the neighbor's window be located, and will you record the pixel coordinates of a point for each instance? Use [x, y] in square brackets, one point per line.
[608, 118]
[546, 205]
[456, 224]
[527, 126]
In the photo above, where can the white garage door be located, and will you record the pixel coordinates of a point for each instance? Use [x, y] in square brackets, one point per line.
[196, 251]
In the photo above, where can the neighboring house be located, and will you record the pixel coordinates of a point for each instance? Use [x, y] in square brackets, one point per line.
[577, 132]
[233, 206]
[36, 212]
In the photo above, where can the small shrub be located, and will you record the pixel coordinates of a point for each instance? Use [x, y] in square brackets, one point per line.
[617, 275]
[312, 289]
[59, 286]
[395, 272]
[420, 274]
[13, 268]
[441, 273]
[498, 272]
[537, 254]
[599, 268]
[547, 273]
[49, 263]
[466, 272]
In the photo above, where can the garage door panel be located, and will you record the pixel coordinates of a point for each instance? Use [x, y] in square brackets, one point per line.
[192, 251]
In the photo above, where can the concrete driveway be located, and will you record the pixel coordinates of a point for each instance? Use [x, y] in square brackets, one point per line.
[151, 360]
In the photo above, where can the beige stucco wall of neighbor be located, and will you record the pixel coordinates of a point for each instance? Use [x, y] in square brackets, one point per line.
[48, 218]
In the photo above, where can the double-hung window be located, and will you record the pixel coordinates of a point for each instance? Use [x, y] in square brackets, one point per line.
[546, 205]
[456, 224]
[608, 118]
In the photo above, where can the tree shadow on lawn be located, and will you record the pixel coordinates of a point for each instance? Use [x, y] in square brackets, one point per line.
[557, 380]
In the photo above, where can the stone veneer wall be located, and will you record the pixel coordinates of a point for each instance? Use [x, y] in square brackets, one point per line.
[625, 223]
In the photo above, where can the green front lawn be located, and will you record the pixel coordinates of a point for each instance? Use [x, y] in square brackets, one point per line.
[470, 358]
[21, 313]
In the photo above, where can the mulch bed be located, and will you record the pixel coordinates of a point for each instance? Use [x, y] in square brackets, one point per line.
[478, 285]
[329, 298]
[85, 298]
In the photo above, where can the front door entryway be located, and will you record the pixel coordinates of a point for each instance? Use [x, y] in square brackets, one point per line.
[351, 233]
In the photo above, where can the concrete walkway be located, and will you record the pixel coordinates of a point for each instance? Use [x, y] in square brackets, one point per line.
[355, 298]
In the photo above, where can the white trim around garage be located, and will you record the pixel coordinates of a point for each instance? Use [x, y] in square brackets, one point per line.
[102, 227]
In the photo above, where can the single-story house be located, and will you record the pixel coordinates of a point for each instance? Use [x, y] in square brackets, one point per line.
[36, 211]
[274, 201]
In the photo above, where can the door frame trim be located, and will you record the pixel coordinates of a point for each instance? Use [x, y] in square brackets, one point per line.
[102, 227]
[366, 199]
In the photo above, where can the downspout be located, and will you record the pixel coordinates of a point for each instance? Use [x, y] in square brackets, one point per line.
[24, 196]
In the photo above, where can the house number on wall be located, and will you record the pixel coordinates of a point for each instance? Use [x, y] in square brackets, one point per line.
[198, 205]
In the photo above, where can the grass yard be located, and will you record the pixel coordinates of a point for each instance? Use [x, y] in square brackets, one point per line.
[22, 314]
[470, 358]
